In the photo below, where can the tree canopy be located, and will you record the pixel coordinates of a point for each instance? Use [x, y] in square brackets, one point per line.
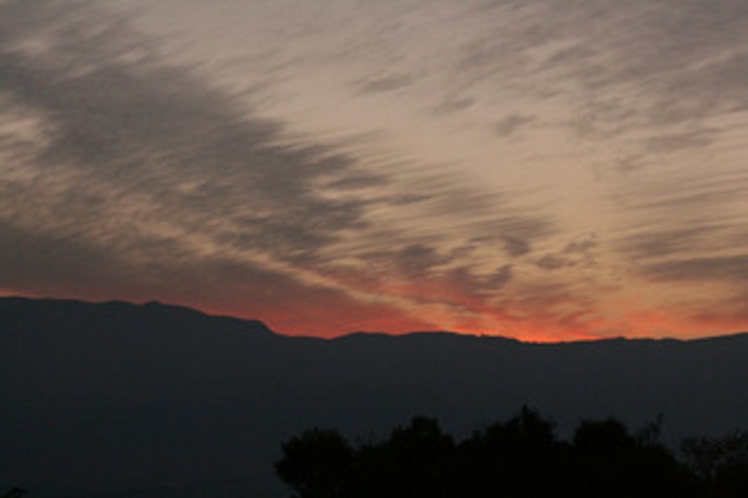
[520, 457]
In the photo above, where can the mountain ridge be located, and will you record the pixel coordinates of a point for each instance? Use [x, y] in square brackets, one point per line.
[176, 308]
[112, 397]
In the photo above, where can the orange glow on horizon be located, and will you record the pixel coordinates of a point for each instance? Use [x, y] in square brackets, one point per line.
[326, 321]
[328, 324]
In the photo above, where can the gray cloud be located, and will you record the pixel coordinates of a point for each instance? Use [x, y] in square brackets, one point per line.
[381, 84]
[630, 162]
[580, 252]
[138, 178]
[689, 230]
[499, 278]
[672, 242]
[485, 284]
[452, 104]
[583, 246]
[677, 141]
[515, 246]
[681, 218]
[664, 68]
[132, 142]
[46, 263]
[123, 170]
[418, 259]
[510, 124]
[717, 269]
[553, 262]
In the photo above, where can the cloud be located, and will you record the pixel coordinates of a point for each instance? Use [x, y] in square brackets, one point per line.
[510, 124]
[717, 269]
[381, 84]
[663, 71]
[417, 259]
[664, 243]
[630, 162]
[695, 215]
[452, 104]
[678, 141]
[135, 153]
[499, 278]
[579, 252]
[686, 241]
[515, 246]
[127, 175]
[553, 262]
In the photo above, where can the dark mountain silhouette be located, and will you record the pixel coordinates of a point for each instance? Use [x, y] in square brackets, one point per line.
[116, 399]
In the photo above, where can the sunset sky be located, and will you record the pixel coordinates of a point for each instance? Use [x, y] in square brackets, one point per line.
[540, 169]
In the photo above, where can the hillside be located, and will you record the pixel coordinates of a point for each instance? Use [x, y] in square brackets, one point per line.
[158, 400]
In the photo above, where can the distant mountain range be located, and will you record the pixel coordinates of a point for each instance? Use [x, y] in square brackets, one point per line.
[116, 399]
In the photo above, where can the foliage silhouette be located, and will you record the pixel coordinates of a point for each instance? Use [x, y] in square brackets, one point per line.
[721, 463]
[14, 493]
[522, 457]
[316, 464]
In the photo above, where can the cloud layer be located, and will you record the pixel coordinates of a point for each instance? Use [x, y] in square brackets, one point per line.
[487, 167]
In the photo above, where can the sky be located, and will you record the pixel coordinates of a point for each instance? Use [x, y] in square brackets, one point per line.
[543, 170]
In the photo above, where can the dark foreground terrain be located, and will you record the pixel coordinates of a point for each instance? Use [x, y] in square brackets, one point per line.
[520, 458]
[115, 399]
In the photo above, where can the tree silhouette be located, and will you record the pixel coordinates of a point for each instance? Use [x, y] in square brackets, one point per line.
[721, 463]
[522, 457]
[612, 462]
[316, 464]
[415, 460]
[14, 493]
[514, 457]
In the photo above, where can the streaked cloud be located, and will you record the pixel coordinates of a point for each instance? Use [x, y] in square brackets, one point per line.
[510, 124]
[484, 166]
[719, 269]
